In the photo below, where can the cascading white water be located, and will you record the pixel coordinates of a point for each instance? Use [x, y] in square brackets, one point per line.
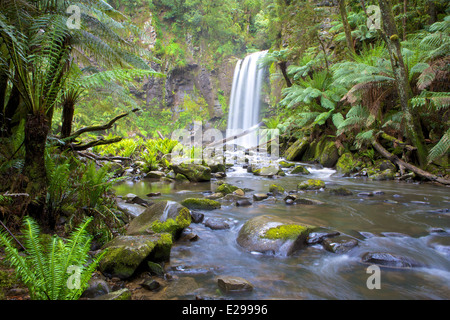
[245, 99]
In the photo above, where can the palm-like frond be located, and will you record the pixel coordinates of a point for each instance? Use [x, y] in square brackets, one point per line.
[441, 148]
[44, 269]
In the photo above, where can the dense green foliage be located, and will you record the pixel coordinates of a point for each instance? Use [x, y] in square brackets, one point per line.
[52, 268]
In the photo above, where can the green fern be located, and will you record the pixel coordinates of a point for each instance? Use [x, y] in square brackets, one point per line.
[46, 269]
[441, 148]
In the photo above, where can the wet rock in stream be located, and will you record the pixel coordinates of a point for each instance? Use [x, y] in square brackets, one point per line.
[217, 224]
[341, 244]
[387, 259]
[233, 284]
[273, 235]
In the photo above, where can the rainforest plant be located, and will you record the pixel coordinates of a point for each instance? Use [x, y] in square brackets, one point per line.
[55, 268]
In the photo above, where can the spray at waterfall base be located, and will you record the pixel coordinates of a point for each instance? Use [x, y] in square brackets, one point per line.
[212, 148]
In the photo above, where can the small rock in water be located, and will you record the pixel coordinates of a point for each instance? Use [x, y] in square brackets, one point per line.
[378, 192]
[151, 285]
[196, 216]
[216, 224]
[260, 196]
[390, 201]
[387, 259]
[153, 194]
[230, 284]
[340, 245]
[420, 202]
[243, 203]
[365, 194]
[318, 237]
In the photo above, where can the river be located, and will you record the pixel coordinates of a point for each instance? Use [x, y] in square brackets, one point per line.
[407, 219]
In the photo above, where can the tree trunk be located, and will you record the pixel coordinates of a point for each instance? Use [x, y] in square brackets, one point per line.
[36, 131]
[348, 32]
[412, 122]
[283, 67]
[67, 118]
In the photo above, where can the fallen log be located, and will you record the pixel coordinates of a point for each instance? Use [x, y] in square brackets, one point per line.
[397, 141]
[424, 174]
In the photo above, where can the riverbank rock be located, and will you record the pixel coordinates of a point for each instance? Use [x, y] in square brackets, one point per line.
[200, 204]
[347, 164]
[155, 175]
[296, 151]
[387, 174]
[163, 216]
[311, 184]
[126, 254]
[192, 171]
[387, 259]
[233, 284]
[273, 235]
[131, 209]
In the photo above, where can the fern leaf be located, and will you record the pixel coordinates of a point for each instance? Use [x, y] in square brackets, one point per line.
[441, 148]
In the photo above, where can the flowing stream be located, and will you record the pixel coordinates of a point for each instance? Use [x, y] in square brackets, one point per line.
[408, 219]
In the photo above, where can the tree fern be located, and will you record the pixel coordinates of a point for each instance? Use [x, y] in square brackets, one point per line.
[441, 148]
[45, 269]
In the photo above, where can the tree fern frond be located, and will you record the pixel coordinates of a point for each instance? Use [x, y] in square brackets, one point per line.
[441, 148]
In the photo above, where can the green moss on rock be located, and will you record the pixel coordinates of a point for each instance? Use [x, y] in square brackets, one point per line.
[347, 164]
[201, 204]
[296, 151]
[300, 169]
[226, 188]
[276, 189]
[311, 184]
[285, 232]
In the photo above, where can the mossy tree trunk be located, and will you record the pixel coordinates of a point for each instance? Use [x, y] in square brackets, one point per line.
[411, 119]
[348, 32]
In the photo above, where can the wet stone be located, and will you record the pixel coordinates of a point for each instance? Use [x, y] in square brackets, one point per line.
[232, 284]
[216, 224]
[318, 237]
[387, 259]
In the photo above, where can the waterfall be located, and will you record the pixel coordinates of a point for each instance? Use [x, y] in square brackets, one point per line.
[245, 98]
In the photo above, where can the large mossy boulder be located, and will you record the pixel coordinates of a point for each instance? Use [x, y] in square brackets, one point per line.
[201, 204]
[347, 164]
[126, 254]
[193, 171]
[296, 151]
[163, 216]
[273, 235]
[322, 151]
[387, 174]
[329, 154]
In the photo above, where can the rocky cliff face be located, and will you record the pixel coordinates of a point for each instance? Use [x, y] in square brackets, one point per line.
[194, 80]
